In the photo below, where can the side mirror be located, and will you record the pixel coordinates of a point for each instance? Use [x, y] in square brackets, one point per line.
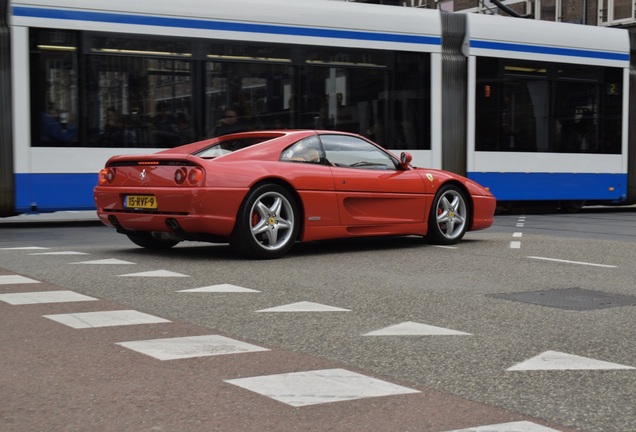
[405, 160]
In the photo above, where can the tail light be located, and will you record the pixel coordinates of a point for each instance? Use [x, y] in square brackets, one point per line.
[180, 175]
[106, 176]
[193, 175]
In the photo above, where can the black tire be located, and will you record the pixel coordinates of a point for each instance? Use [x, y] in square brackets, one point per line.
[149, 241]
[449, 217]
[267, 223]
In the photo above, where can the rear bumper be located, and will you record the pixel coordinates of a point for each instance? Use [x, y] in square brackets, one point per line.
[196, 211]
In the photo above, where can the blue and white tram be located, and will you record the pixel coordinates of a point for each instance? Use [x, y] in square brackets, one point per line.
[493, 98]
[548, 110]
[121, 76]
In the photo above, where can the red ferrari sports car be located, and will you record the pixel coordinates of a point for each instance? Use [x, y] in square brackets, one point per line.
[262, 191]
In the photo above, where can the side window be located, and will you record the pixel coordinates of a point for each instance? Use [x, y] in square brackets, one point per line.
[351, 152]
[55, 96]
[143, 100]
[307, 150]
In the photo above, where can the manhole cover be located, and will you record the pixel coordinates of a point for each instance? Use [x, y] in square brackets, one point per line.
[570, 298]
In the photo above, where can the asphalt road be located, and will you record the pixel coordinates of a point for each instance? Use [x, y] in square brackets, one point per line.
[530, 321]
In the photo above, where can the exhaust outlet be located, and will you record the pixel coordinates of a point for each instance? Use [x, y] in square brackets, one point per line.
[173, 224]
[113, 221]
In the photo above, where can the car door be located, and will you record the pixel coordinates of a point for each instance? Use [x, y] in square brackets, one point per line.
[370, 188]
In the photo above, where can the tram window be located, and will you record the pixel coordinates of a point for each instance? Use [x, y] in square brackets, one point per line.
[576, 114]
[55, 90]
[160, 92]
[612, 108]
[525, 112]
[340, 98]
[547, 107]
[247, 96]
[412, 115]
[138, 101]
[392, 110]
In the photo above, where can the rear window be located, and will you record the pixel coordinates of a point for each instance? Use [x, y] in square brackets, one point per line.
[229, 146]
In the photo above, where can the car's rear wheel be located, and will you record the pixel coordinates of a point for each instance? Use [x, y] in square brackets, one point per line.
[267, 223]
[150, 241]
[449, 217]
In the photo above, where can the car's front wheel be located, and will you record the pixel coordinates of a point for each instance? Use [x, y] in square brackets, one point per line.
[150, 241]
[449, 217]
[267, 223]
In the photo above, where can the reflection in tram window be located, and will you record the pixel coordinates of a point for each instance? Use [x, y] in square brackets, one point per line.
[547, 107]
[161, 92]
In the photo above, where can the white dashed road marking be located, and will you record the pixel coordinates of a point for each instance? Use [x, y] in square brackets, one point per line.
[44, 297]
[16, 279]
[304, 307]
[321, 386]
[410, 328]
[105, 319]
[571, 262]
[516, 244]
[60, 253]
[24, 248]
[155, 273]
[554, 360]
[189, 347]
[105, 261]
[520, 426]
[221, 288]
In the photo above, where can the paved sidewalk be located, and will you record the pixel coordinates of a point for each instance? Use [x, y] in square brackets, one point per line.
[54, 217]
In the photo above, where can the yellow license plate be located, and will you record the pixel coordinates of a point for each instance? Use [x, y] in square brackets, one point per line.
[140, 202]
